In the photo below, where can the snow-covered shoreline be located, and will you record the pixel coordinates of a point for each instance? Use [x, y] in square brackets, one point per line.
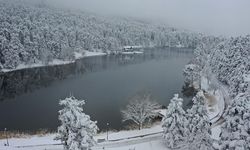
[121, 140]
[47, 141]
[134, 52]
[56, 62]
[79, 55]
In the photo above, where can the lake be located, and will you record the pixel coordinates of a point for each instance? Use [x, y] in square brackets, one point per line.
[29, 98]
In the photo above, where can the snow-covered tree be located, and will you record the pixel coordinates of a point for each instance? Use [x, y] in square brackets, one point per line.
[140, 110]
[76, 130]
[198, 137]
[229, 61]
[191, 73]
[56, 33]
[11, 54]
[174, 123]
[235, 131]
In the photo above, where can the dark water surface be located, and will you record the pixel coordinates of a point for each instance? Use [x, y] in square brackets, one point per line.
[29, 98]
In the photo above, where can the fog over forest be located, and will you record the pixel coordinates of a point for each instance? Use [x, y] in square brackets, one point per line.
[223, 17]
[124, 74]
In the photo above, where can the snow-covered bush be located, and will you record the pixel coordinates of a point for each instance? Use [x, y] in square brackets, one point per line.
[235, 132]
[174, 123]
[140, 110]
[76, 130]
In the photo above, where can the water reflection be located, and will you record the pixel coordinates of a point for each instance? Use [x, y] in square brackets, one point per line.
[30, 97]
[18, 82]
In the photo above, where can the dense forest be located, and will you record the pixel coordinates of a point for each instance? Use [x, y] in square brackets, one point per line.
[39, 33]
[228, 60]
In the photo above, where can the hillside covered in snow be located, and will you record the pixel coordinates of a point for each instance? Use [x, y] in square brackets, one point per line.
[38, 33]
[225, 64]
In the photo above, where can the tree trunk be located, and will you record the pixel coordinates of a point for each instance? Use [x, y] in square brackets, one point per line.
[140, 126]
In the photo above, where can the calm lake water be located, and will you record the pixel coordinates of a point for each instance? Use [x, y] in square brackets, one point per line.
[29, 98]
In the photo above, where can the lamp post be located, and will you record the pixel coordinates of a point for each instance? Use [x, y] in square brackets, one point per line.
[107, 131]
[5, 130]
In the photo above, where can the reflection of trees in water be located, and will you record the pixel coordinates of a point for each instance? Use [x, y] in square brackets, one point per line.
[188, 92]
[27, 80]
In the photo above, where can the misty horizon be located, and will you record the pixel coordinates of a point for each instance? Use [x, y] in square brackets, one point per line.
[226, 17]
[124, 74]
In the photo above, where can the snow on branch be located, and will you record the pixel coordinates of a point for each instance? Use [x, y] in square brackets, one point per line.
[140, 109]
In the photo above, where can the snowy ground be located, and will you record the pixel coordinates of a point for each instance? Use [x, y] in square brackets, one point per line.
[148, 145]
[134, 52]
[56, 61]
[89, 54]
[132, 47]
[145, 139]
[150, 138]
[38, 64]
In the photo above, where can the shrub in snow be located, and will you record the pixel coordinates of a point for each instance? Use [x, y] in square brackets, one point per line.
[198, 129]
[140, 109]
[235, 131]
[174, 123]
[76, 130]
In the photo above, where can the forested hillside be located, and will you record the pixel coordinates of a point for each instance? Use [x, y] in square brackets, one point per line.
[229, 61]
[32, 33]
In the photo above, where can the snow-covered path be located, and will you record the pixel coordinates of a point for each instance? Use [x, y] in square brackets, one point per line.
[155, 139]
[218, 98]
[152, 145]
[153, 142]
[132, 140]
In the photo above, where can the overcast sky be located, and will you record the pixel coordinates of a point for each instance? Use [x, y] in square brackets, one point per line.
[217, 17]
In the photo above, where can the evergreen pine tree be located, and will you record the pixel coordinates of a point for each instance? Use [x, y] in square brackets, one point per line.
[235, 131]
[198, 137]
[11, 53]
[76, 130]
[174, 123]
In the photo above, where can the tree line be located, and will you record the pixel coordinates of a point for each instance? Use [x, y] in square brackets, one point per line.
[39, 33]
